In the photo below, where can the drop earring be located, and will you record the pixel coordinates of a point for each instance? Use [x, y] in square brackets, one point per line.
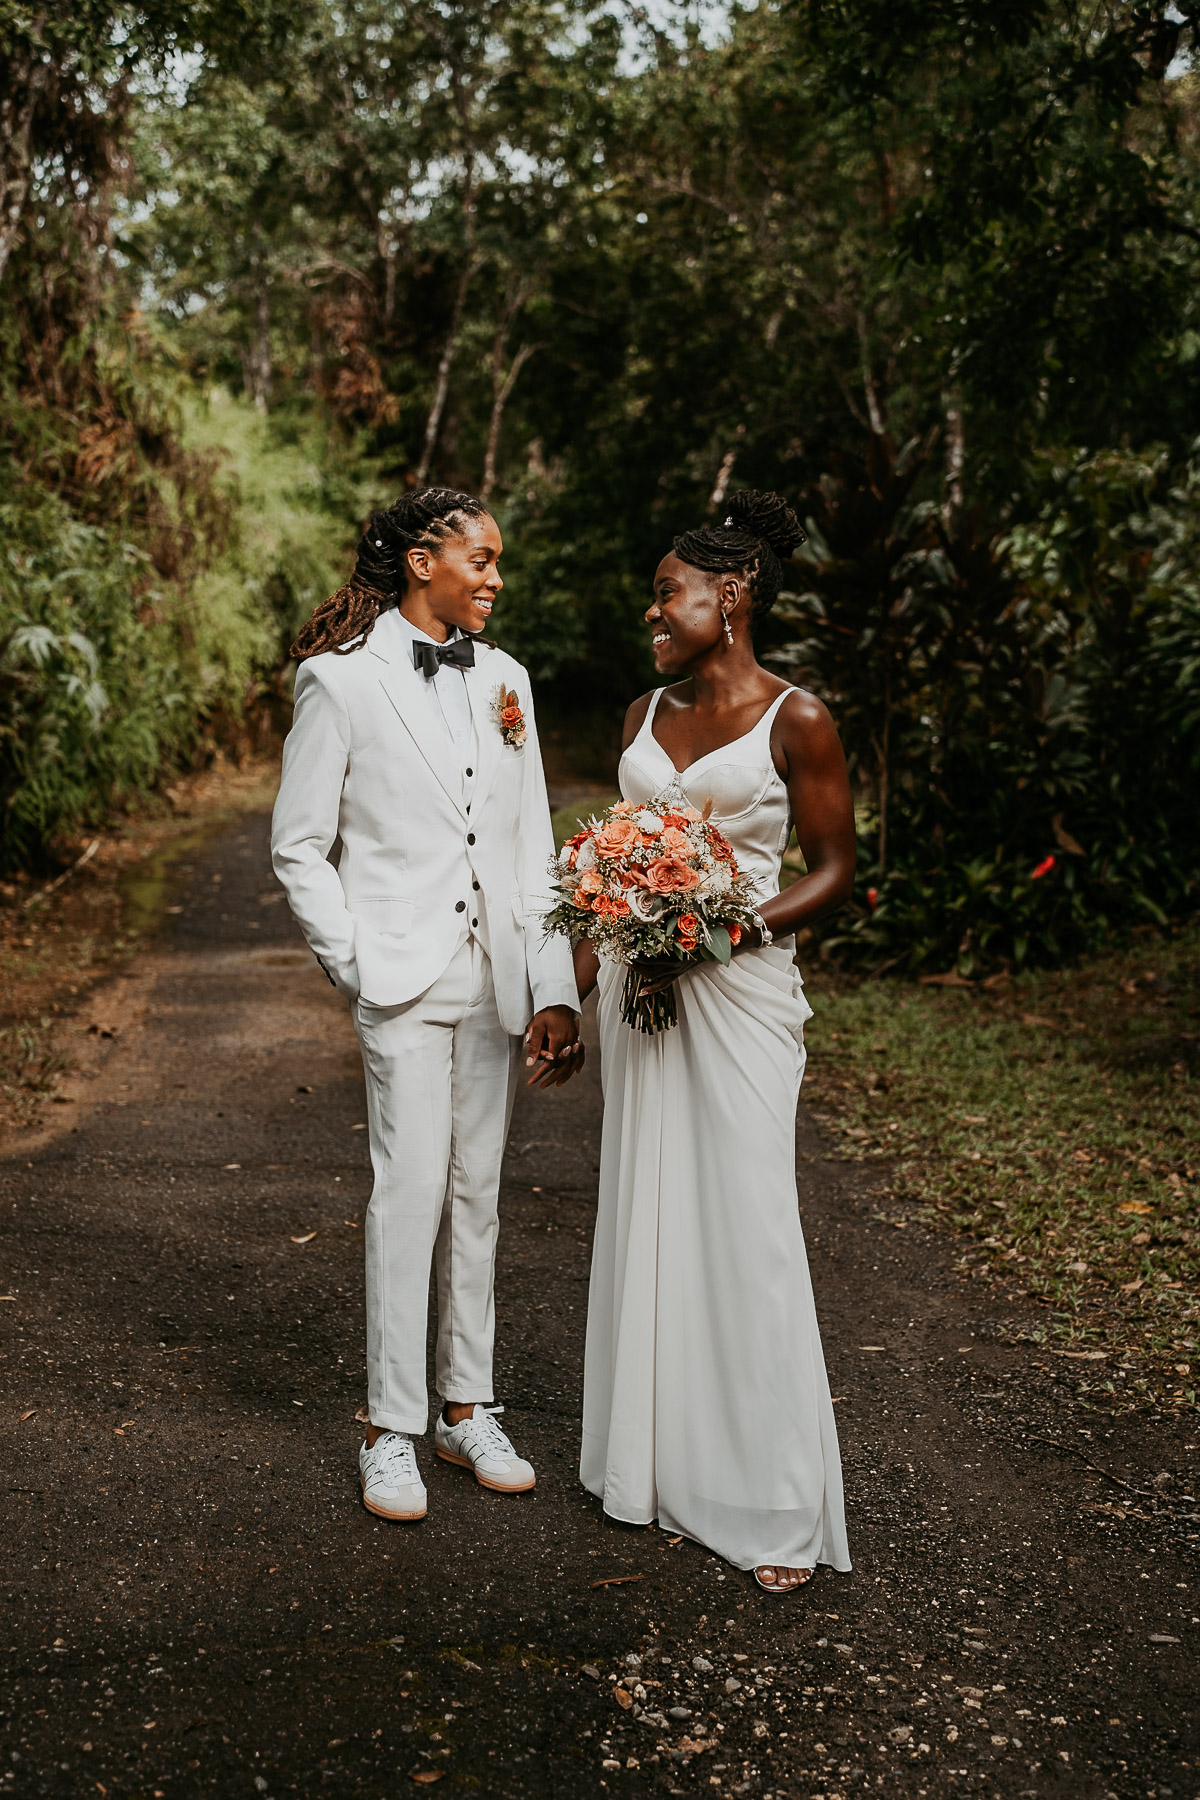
[727, 628]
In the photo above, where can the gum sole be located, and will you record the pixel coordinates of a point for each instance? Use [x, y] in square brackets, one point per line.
[380, 1514]
[461, 1462]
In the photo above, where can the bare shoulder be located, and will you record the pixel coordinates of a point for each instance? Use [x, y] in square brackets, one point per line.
[803, 711]
[804, 731]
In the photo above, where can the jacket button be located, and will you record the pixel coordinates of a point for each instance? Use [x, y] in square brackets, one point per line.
[474, 921]
[460, 906]
[475, 885]
[470, 772]
[470, 837]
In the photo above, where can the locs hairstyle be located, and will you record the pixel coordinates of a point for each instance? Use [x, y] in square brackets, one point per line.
[759, 533]
[422, 519]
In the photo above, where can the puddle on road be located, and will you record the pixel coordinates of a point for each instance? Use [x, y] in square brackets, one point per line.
[146, 888]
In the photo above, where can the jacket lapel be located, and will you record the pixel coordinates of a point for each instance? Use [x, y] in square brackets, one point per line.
[481, 688]
[402, 685]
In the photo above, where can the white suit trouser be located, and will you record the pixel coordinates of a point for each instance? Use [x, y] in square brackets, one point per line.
[440, 1073]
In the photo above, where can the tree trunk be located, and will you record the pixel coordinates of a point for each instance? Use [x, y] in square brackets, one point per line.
[502, 387]
[883, 760]
[724, 473]
[442, 385]
[258, 362]
[874, 409]
[27, 79]
[955, 459]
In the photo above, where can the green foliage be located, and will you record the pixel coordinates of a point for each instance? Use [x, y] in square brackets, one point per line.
[600, 267]
[1023, 712]
[93, 698]
[112, 674]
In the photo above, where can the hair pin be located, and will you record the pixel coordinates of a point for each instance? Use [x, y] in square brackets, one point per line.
[729, 520]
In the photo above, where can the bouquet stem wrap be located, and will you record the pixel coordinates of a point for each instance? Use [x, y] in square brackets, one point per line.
[648, 1012]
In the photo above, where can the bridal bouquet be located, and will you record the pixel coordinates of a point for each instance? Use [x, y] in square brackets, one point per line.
[656, 888]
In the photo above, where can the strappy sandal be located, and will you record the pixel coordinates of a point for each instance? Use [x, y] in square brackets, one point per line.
[804, 1576]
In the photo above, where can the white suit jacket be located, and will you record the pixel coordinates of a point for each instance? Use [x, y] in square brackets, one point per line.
[373, 843]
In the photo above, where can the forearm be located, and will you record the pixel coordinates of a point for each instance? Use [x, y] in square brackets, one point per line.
[587, 967]
[803, 902]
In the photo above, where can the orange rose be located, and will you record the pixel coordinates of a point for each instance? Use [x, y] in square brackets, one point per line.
[735, 933]
[676, 841]
[591, 882]
[718, 844]
[675, 819]
[670, 875]
[510, 716]
[688, 925]
[617, 838]
[616, 909]
[691, 816]
[687, 944]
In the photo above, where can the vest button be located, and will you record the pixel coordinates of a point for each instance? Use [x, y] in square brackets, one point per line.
[460, 906]
[475, 885]
[470, 837]
[470, 772]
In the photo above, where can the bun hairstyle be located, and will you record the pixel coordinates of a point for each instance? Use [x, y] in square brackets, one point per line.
[420, 520]
[758, 534]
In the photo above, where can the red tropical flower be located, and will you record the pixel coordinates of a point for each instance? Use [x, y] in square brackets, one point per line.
[1043, 868]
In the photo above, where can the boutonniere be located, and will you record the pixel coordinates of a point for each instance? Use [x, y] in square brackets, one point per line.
[506, 710]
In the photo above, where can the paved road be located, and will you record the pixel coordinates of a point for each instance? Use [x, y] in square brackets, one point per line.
[196, 1600]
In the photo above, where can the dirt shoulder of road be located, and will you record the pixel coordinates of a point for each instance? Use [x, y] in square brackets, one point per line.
[62, 936]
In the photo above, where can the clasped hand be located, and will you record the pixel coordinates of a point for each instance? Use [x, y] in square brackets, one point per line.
[553, 1046]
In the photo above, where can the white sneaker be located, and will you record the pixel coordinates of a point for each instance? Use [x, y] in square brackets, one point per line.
[391, 1481]
[478, 1443]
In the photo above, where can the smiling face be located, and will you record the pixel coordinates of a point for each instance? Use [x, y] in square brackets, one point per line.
[686, 614]
[456, 584]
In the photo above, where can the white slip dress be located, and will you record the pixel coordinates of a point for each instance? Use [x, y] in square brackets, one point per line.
[706, 1404]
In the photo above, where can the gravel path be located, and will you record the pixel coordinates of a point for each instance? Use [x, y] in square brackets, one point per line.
[197, 1601]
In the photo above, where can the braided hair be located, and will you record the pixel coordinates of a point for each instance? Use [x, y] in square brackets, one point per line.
[421, 520]
[759, 533]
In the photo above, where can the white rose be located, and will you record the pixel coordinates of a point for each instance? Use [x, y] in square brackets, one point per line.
[587, 856]
[642, 905]
[648, 821]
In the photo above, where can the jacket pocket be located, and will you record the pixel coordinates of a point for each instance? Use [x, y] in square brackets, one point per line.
[391, 918]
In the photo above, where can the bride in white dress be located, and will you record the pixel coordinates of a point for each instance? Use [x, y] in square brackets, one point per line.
[706, 1402]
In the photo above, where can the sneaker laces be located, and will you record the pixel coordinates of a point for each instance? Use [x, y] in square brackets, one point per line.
[489, 1435]
[398, 1460]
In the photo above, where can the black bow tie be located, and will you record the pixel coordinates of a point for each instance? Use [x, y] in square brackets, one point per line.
[460, 655]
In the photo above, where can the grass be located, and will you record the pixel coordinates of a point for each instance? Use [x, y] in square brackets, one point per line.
[570, 819]
[1053, 1121]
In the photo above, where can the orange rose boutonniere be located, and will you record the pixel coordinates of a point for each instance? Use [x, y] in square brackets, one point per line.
[506, 710]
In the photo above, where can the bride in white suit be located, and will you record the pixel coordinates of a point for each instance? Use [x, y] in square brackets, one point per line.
[412, 835]
[706, 1402]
